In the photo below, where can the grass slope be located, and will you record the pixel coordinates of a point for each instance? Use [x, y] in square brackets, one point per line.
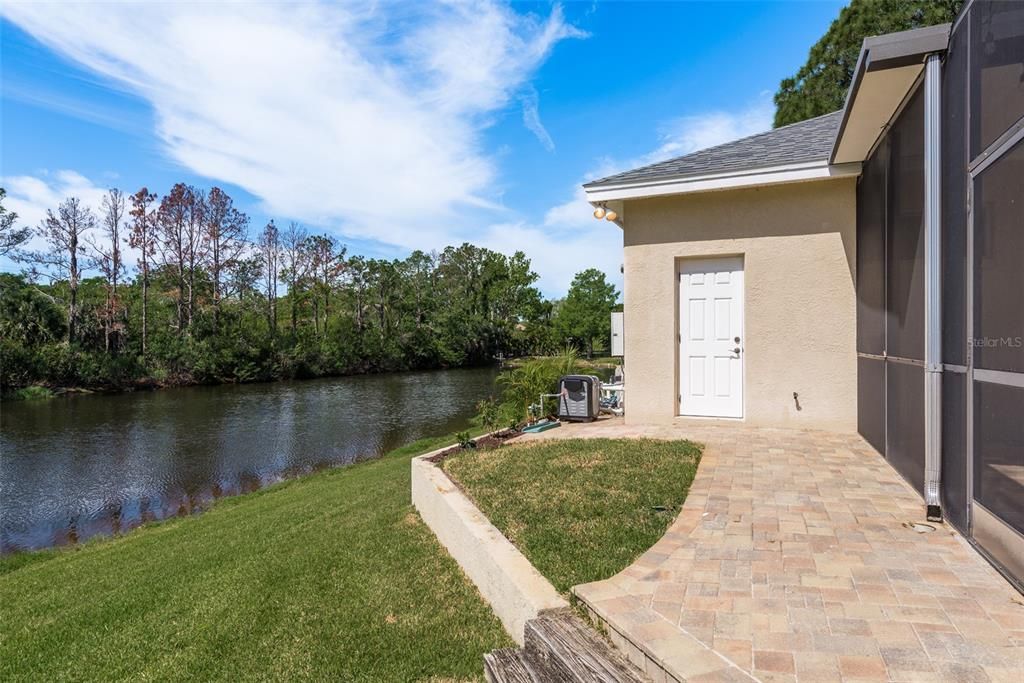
[580, 509]
[332, 576]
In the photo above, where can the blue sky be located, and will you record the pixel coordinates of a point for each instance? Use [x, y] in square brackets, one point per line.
[393, 126]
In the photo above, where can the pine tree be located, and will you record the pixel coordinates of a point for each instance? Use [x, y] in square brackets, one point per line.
[820, 86]
[64, 233]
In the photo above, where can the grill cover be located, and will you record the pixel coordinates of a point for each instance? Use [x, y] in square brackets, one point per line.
[580, 397]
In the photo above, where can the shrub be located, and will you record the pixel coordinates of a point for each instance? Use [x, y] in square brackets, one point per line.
[19, 365]
[32, 393]
[488, 413]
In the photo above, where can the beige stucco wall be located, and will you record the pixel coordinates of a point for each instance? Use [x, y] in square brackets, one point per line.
[798, 243]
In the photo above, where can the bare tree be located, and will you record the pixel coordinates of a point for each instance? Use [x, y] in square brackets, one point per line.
[296, 266]
[327, 264]
[181, 217]
[64, 233]
[107, 256]
[270, 253]
[143, 237]
[10, 237]
[226, 229]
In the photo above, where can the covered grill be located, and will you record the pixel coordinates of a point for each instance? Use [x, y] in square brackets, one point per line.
[579, 397]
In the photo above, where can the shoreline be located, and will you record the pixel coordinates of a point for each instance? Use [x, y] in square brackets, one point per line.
[37, 392]
[42, 392]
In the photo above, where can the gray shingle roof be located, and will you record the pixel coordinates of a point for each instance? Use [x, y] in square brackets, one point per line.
[809, 140]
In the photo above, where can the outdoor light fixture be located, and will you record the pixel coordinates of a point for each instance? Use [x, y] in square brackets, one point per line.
[610, 216]
[599, 212]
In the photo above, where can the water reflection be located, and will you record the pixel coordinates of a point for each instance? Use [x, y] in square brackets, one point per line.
[75, 467]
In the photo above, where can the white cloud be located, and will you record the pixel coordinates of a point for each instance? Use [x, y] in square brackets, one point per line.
[366, 117]
[531, 119]
[558, 253]
[31, 196]
[687, 134]
[582, 241]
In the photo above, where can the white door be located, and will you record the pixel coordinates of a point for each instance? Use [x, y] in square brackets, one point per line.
[711, 337]
[617, 346]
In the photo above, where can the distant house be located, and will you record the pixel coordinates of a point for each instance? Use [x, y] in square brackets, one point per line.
[860, 270]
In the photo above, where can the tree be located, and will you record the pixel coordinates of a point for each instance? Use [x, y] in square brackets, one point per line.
[384, 284]
[326, 264]
[819, 86]
[29, 321]
[200, 294]
[108, 257]
[143, 237]
[296, 265]
[420, 275]
[356, 269]
[270, 254]
[226, 229]
[181, 218]
[585, 315]
[11, 237]
[27, 315]
[64, 233]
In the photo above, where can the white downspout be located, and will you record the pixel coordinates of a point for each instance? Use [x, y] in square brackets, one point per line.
[932, 287]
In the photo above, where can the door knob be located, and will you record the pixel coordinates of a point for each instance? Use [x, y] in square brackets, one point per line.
[736, 350]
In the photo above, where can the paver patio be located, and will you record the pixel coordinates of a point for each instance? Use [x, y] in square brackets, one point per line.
[790, 561]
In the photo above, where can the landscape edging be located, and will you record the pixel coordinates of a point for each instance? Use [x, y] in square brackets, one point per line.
[513, 587]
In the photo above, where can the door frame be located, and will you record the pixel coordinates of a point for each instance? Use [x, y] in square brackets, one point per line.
[1005, 545]
[678, 331]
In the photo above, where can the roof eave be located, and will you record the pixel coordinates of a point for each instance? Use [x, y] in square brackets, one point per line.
[886, 70]
[755, 177]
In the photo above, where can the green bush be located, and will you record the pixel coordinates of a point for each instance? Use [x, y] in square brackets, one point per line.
[32, 393]
[488, 414]
[18, 365]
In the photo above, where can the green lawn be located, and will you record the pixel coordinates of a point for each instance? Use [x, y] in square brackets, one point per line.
[331, 576]
[580, 509]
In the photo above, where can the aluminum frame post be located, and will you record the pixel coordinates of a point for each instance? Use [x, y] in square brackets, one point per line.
[933, 286]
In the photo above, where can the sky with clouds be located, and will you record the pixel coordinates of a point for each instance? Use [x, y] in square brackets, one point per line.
[392, 125]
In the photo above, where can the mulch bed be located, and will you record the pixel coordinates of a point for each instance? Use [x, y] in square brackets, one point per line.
[486, 443]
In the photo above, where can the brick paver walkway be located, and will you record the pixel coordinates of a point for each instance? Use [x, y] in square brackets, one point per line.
[790, 561]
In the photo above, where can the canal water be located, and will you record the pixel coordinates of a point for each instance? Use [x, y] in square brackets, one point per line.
[80, 466]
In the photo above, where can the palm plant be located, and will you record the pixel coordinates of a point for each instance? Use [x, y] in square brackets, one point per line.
[524, 385]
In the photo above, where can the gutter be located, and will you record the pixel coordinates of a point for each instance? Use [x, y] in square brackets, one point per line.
[897, 51]
[933, 286]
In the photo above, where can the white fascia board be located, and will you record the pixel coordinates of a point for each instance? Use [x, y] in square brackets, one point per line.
[793, 173]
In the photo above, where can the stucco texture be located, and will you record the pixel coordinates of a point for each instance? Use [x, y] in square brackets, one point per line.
[798, 246]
